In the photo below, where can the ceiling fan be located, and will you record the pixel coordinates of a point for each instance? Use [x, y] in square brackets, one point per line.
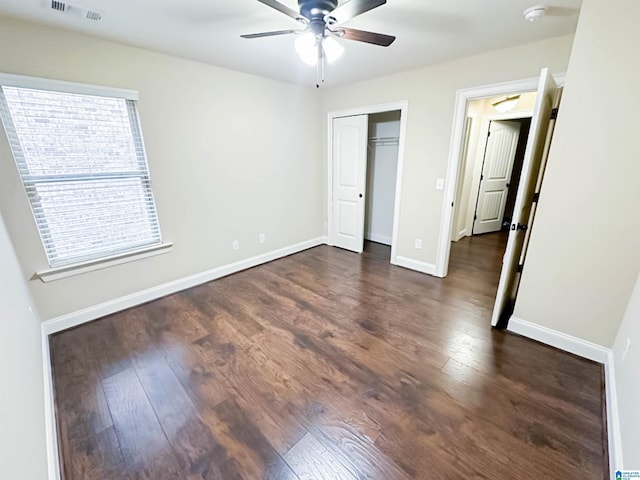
[322, 22]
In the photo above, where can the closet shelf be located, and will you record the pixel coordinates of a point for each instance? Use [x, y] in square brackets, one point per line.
[384, 141]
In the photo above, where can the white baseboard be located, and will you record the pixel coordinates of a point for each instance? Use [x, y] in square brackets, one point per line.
[97, 311]
[613, 417]
[460, 235]
[375, 237]
[416, 265]
[560, 340]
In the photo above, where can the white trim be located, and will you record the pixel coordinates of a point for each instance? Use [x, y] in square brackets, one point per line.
[74, 319]
[57, 273]
[51, 428]
[460, 235]
[403, 106]
[613, 417]
[37, 83]
[459, 114]
[416, 265]
[375, 237]
[568, 343]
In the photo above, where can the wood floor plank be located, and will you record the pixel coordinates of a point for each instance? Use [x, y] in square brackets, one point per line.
[311, 461]
[256, 456]
[326, 364]
[145, 448]
[197, 450]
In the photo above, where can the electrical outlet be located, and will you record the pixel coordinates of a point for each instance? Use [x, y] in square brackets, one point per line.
[418, 244]
[235, 245]
[626, 349]
[440, 184]
[262, 238]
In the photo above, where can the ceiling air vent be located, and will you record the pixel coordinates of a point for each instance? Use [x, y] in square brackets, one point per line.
[59, 6]
[76, 10]
[93, 15]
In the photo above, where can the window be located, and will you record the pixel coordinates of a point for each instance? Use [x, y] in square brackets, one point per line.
[82, 162]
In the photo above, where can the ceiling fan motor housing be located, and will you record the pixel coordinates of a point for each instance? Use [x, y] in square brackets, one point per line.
[316, 9]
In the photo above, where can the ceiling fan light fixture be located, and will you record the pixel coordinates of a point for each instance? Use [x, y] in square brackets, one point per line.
[332, 49]
[307, 49]
[506, 105]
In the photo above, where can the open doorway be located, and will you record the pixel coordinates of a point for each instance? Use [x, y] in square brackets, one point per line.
[491, 162]
[382, 168]
[543, 115]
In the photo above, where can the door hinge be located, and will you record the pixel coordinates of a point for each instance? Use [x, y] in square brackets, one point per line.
[536, 197]
[481, 177]
[475, 217]
[520, 267]
[452, 204]
[489, 133]
[554, 113]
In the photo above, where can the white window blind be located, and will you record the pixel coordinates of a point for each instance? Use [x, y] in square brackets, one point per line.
[83, 165]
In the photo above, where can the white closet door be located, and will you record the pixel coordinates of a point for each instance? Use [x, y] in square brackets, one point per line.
[349, 181]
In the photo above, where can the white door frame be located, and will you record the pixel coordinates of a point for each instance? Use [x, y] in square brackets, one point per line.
[463, 97]
[403, 106]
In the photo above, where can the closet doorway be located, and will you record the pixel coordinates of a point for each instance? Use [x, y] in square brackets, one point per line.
[382, 168]
[366, 152]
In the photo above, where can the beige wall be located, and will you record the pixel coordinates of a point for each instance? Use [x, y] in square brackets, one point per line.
[431, 94]
[231, 156]
[584, 255]
[22, 432]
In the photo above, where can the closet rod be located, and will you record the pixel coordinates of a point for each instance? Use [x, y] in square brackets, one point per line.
[384, 140]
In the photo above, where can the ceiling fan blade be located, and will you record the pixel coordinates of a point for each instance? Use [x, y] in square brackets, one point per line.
[284, 9]
[367, 37]
[350, 9]
[270, 34]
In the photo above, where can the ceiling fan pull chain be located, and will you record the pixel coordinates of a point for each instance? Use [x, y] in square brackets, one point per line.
[322, 60]
[319, 63]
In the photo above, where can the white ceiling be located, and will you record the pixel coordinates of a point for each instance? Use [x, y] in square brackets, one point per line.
[427, 31]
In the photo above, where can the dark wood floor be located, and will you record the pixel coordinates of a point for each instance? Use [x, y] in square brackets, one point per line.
[326, 365]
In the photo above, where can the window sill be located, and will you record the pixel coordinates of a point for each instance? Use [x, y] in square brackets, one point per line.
[58, 273]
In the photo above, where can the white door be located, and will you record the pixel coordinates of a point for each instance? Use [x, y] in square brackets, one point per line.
[499, 154]
[535, 155]
[349, 181]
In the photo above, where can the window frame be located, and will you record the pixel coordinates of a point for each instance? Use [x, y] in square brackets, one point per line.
[135, 253]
